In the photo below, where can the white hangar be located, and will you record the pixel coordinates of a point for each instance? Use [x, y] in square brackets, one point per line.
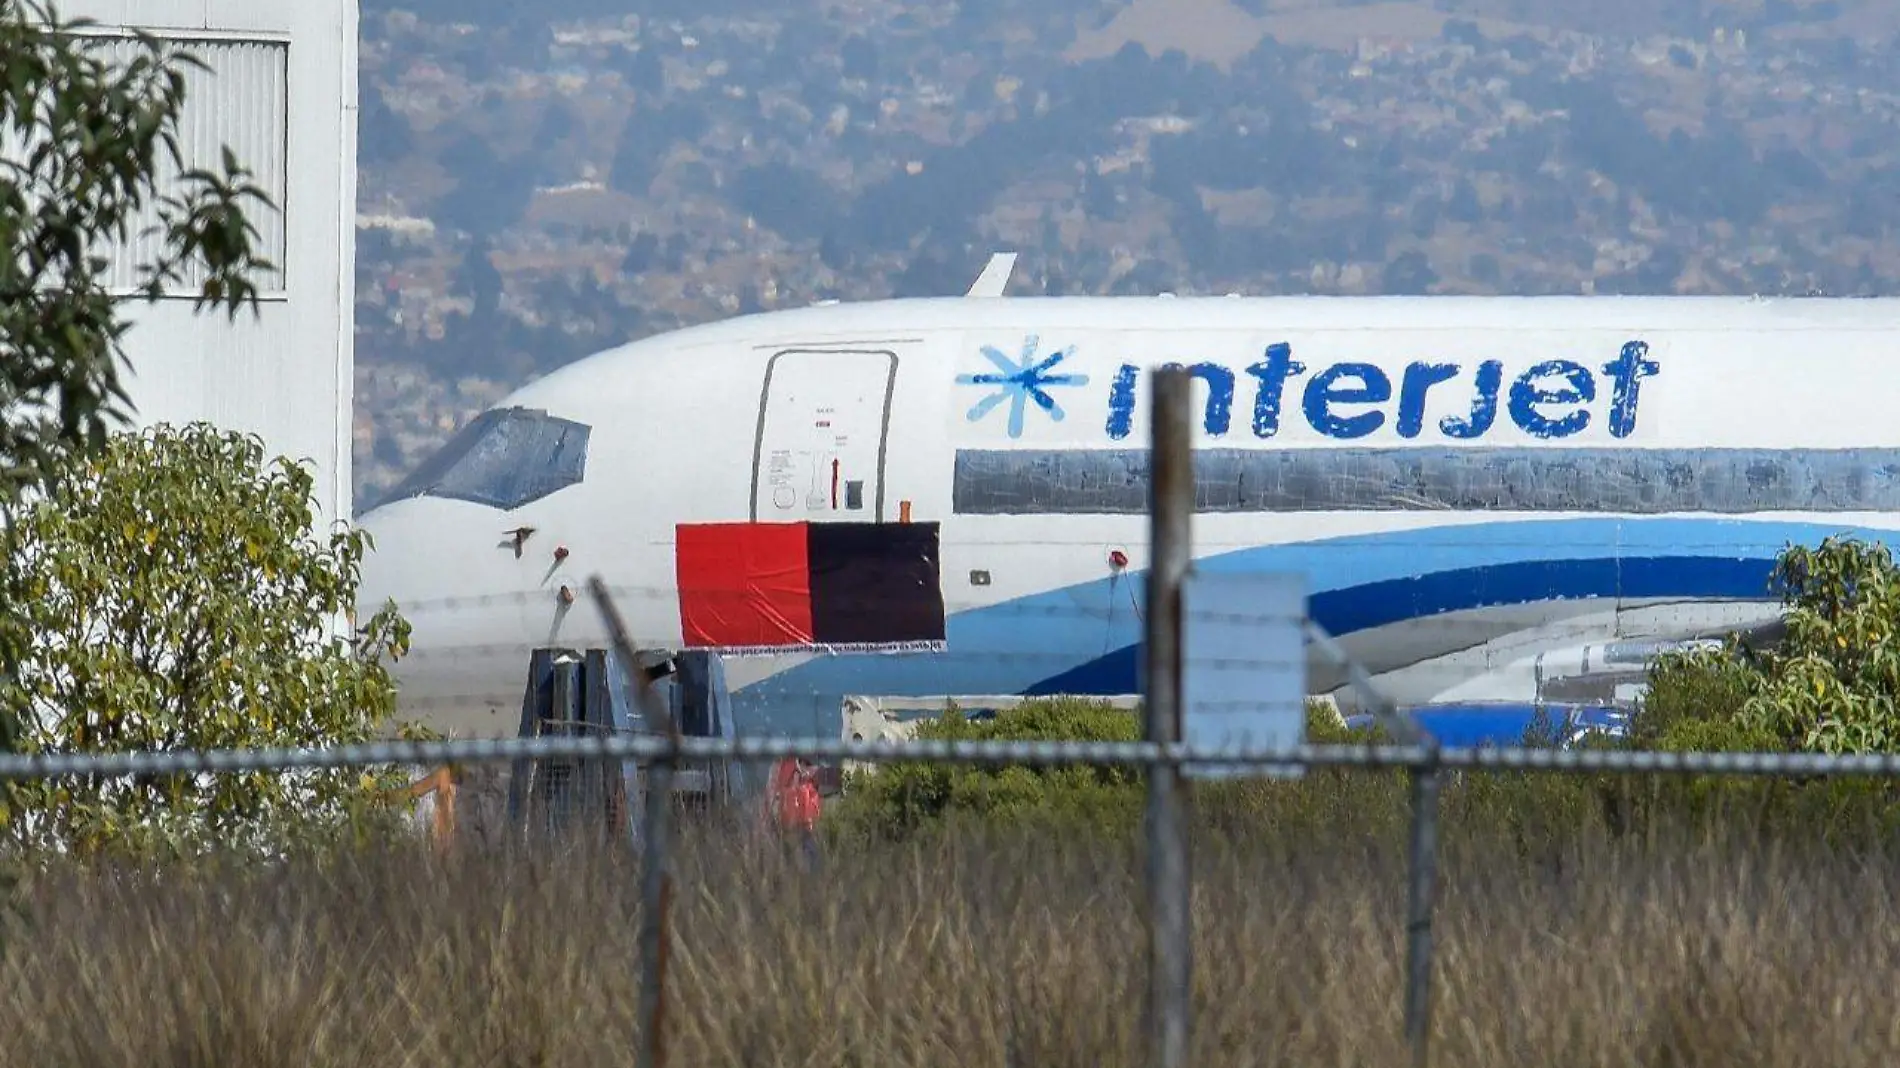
[281, 92]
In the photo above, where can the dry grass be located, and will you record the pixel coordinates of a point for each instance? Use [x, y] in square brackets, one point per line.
[960, 953]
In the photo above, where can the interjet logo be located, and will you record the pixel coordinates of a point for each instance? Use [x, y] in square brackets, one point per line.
[1549, 399]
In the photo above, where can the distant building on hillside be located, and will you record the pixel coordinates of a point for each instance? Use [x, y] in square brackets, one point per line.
[281, 92]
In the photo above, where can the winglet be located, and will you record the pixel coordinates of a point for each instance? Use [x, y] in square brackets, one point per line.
[995, 275]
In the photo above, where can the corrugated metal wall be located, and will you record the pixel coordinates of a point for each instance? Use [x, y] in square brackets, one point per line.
[281, 92]
[242, 101]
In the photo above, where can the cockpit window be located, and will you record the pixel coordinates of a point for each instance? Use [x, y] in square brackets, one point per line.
[504, 458]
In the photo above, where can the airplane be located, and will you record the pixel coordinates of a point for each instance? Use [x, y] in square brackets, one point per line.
[1493, 501]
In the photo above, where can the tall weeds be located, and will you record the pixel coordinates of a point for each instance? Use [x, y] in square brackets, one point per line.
[1017, 948]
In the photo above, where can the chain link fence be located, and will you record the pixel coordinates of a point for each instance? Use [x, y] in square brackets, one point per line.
[653, 754]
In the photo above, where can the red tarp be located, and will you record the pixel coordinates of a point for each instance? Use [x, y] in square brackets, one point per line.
[832, 586]
[744, 584]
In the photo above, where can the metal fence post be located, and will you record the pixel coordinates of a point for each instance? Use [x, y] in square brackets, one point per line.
[1171, 509]
[656, 884]
[1426, 779]
[1418, 927]
[1422, 884]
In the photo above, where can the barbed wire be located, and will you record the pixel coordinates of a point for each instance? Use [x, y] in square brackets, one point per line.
[14, 767]
[1079, 603]
[996, 654]
[783, 684]
[482, 684]
[1502, 624]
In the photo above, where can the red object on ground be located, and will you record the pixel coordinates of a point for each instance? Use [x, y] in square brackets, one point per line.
[793, 796]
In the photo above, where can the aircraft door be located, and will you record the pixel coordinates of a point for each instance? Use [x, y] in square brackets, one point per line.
[823, 421]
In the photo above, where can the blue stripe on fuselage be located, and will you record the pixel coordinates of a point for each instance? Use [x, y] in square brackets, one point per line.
[1084, 638]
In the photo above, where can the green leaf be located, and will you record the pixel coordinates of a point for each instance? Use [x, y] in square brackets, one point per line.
[180, 599]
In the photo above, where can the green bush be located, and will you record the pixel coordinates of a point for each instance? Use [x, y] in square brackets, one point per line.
[902, 800]
[173, 592]
[899, 799]
[1828, 686]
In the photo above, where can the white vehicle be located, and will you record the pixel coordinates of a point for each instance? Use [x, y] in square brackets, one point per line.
[916, 497]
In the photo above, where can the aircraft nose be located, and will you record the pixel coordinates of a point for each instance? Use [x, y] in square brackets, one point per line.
[468, 654]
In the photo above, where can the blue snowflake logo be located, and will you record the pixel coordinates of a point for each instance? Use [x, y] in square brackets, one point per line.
[1019, 381]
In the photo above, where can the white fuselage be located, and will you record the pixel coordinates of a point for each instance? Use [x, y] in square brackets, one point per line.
[1475, 488]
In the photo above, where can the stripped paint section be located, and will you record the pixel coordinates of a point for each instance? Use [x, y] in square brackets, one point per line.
[1611, 481]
